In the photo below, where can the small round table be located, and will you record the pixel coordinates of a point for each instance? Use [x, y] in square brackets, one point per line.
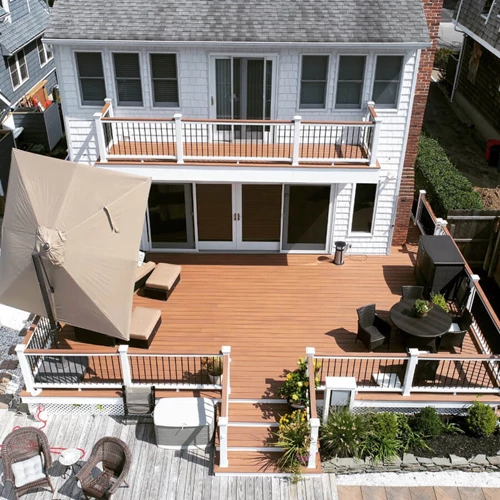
[436, 323]
[69, 457]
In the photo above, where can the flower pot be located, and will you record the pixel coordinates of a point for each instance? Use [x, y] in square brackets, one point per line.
[215, 379]
[297, 406]
[421, 314]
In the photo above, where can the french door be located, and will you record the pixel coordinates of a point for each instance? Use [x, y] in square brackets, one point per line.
[239, 216]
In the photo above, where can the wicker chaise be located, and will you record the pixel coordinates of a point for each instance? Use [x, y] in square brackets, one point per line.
[114, 457]
[26, 460]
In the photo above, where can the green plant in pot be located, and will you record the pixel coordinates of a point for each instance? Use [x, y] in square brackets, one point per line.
[439, 300]
[213, 366]
[422, 307]
[295, 388]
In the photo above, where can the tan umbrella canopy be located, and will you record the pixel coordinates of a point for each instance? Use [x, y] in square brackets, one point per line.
[86, 224]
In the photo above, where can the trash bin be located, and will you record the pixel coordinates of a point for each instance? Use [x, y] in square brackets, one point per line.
[340, 247]
[494, 159]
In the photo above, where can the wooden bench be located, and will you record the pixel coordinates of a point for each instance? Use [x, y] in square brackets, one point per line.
[142, 273]
[162, 281]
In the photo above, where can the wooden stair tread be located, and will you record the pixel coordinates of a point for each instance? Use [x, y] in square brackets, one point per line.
[249, 437]
[256, 412]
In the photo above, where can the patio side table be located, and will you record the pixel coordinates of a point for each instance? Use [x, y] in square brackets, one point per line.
[69, 457]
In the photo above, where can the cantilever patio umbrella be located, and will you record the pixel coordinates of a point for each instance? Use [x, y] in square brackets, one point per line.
[70, 242]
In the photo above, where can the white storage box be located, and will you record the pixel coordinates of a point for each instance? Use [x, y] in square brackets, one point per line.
[182, 423]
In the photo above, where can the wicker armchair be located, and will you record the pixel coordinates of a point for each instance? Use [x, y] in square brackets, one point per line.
[412, 292]
[115, 457]
[459, 328]
[373, 331]
[26, 460]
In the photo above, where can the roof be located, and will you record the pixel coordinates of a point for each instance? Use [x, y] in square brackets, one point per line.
[16, 35]
[259, 21]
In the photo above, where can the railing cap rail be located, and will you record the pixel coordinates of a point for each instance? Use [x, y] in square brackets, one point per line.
[70, 352]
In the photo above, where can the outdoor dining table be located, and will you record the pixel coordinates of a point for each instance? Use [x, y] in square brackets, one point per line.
[424, 330]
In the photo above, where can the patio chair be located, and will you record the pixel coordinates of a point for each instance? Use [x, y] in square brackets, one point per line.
[411, 292]
[26, 460]
[138, 402]
[425, 371]
[373, 331]
[458, 330]
[115, 458]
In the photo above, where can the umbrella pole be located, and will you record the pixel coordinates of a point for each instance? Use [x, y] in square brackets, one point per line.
[46, 290]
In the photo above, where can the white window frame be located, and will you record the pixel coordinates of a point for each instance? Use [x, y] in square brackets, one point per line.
[363, 234]
[151, 79]
[18, 68]
[115, 78]
[384, 107]
[41, 48]
[486, 16]
[327, 86]
[78, 78]
[363, 85]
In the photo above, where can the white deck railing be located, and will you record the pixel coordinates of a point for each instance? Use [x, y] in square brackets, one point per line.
[181, 139]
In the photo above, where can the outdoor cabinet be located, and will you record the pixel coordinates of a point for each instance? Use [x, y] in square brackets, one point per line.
[439, 265]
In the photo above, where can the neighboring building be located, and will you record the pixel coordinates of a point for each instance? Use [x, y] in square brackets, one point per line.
[259, 179]
[478, 83]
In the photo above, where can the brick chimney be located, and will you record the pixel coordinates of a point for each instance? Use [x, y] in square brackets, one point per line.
[432, 9]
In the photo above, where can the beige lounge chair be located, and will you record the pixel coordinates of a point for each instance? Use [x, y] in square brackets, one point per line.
[162, 281]
[142, 273]
[143, 327]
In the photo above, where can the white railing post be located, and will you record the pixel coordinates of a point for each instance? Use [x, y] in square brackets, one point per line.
[124, 362]
[101, 141]
[178, 137]
[473, 290]
[29, 380]
[296, 139]
[440, 225]
[223, 461]
[410, 371]
[313, 447]
[369, 104]
[226, 352]
[420, 205]
[375, 140]
[111, 111]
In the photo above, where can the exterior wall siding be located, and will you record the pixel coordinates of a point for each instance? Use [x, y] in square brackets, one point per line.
[470, 16]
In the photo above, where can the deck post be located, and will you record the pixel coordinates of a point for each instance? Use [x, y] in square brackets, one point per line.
[226, 382]
[223, 460]
[440, 225]
[296, 140]
[375, 140]
[410, 371]
[313, 447]
[101, 142]
[178, 137]
[29, 380]
[420, 204]
[111, 111]
[127, 376]
[472, 284]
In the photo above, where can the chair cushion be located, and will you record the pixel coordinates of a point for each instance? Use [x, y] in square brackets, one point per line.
[141, 271]
[455, 327]
[144, 320]
[28, 471]
[164, 276]
[374, 333]
[138, 400]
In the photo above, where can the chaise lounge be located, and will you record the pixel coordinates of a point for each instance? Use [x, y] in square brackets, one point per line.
[162, 281]
[143, 327]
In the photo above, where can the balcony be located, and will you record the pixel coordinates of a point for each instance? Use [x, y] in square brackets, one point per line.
[181, 140]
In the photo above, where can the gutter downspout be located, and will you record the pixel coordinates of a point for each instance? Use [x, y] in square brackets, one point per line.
[459, 67]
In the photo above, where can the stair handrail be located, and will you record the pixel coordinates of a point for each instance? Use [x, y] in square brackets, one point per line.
[313, 411]
[224, 413]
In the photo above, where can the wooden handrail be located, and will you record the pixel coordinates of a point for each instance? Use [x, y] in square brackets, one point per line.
[372, 111]
[363, 355]
[65, 352]
[312, 386]
[105, 108]
[108, 119]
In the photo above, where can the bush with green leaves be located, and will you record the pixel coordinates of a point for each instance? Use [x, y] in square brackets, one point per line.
[343, 433]
[481, 419]
[427, 422]
[447, 189]
[438, 299]
[382, 443]
[441, 57]
[409, 438]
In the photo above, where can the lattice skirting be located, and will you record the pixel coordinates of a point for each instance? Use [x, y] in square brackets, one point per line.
[78, 409]
[408, 411]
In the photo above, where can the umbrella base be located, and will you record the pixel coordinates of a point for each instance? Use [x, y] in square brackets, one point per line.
[90, 337]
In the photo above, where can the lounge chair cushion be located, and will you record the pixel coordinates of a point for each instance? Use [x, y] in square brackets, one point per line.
[138, 400]
[141, 271]
[164, 277]
[144, 320]
[28, 471]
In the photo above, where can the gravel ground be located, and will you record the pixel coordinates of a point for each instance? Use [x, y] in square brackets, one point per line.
[456, 478]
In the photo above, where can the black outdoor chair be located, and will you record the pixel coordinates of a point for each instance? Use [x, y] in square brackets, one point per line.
[411, 292]
[459, 328]
[373, 331]
[429, 344]
[425, 371]
[138, 402]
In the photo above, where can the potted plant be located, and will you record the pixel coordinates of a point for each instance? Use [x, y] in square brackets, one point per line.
[438, 299]
[295, 388]
[422, 307]
[213, 366]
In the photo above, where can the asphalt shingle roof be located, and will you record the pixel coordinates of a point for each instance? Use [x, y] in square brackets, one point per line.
[265, 21]
[15, 35]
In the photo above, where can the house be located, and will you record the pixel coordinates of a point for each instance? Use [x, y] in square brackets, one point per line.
[264, 126]
[477, 85]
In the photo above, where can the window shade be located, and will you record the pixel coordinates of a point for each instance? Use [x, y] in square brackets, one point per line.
[128, 79]
[313, 81]
[350, 82]
[164, 75]
[91, 76]
[387, 80]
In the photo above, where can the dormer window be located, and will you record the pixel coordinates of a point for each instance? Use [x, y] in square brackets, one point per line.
[44, 54]
[18, 69]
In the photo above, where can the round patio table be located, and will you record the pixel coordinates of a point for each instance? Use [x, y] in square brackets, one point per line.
[436, 323]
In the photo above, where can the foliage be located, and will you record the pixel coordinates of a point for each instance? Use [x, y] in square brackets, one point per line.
[422, 306]
[451, 428]
[381, 442]
[343, 433]
[441, 57]
[481, 419]
[447, 189]
[409, 438]
[438, 299]
[294, 436]
[213, 366]
[427, 422]
[295, 388]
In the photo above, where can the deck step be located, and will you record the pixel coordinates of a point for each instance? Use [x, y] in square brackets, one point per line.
[249, 437]
[267, 413]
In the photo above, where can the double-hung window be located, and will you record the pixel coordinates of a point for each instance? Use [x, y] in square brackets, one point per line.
[44, 54]
[388, 74]
[91, 78]
[364, 206]
[18, 69]
[165, 84]
[350, 82]
[128, 79]
[313, 82]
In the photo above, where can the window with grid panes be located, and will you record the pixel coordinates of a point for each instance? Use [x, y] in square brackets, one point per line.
[350, 82]
[91, 78]
[313, 82]
[18, 69]
[165, 84]
[388, 74]
[128, 79]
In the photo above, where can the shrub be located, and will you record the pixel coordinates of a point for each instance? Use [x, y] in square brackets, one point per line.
[385, 424]
[381, 442]
[295, 388]
[447, 189]
[442, 56]
[343, 433]
[428, 422]
[438, 299]
[481, 419]
[410, 439]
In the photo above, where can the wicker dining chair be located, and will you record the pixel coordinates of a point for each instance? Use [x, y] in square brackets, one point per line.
[459, 328]
[412, 292]
[373, 331]
[26, 460]
[115, 457]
